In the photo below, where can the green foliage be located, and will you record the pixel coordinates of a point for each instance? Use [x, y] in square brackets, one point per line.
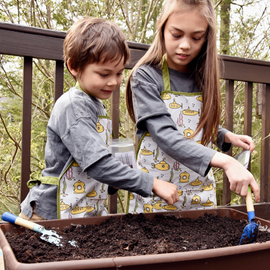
[247, 29]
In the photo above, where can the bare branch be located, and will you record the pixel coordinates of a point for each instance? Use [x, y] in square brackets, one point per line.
[137, 20]
[146, 21]
[9, 135]
[218, 3]
[126, 18]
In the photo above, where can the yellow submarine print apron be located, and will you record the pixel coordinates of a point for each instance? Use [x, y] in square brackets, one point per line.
[195, 191]
[79, 195]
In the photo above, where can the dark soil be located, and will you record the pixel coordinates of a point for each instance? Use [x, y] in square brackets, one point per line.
[132, 235]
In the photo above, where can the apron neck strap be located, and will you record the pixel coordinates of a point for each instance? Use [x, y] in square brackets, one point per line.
[78, 86]
[165, 74]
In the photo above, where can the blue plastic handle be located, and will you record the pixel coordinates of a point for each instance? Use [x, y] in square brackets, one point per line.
[9, 217]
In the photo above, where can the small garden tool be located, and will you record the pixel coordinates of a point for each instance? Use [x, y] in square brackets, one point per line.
[46, 235]
[251, 230]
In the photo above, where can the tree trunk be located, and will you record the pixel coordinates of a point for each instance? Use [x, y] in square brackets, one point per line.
[225, 10]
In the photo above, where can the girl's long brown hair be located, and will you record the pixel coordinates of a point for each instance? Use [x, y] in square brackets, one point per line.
[206, 68]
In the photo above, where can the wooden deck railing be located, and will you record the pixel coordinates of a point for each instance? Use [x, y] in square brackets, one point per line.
[29, 43]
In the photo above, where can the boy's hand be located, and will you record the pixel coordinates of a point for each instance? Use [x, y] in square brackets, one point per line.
[243, 141]
[166, 191]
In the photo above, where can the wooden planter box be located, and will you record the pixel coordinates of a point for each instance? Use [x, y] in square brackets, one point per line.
[238, 257]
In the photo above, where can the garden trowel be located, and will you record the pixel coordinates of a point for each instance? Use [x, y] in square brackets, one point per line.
[251, 230]
[46, 235]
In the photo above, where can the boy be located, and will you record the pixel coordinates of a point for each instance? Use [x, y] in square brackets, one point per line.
[78, 162]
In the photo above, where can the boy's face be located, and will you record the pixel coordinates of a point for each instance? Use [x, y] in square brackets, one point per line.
[100, 79]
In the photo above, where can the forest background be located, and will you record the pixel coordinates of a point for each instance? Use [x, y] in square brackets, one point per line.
[243, 31]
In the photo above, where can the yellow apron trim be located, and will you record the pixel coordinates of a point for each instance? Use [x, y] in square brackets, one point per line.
[167, 83]
[67, 168]
[137, 152]
[58, 190]
[140, 142]
[78, 86]
[38, 179]
[128, 202]
[181, 93]
[104, 117]
[165, 74]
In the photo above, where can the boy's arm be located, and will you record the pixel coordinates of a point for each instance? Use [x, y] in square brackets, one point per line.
[112, 172]
[166, 190]
[161, 188]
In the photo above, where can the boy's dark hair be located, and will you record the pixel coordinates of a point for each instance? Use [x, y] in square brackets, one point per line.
[91, 40]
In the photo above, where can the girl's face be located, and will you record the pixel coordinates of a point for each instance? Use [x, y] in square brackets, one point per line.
[184, 36]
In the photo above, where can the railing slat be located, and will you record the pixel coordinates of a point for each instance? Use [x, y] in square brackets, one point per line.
[115, 103]
[265, 156]
[248, 109]
[59, 79]
[228, 125]
[26, 124]
[248, 115]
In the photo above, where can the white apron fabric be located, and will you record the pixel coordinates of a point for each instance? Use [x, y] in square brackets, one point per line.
[80, 195]
[195, 191]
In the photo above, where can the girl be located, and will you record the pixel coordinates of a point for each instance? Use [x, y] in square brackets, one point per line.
[173, 95]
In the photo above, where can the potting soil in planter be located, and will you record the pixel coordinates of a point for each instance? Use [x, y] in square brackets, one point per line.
[132, 235]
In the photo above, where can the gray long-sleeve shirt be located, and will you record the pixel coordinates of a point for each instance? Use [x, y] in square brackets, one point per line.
[152, 116]
[72, 132]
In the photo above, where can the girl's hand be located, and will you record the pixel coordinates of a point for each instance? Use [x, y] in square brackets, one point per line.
[243, 141]
[239, 177]
[166, 191]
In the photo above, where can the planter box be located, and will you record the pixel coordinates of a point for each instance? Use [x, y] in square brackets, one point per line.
[238, 257]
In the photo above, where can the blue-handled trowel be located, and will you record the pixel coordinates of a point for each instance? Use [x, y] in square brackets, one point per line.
[251, 230]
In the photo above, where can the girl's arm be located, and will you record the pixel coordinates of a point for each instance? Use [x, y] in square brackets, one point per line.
[220, 142]
[239, 177]
[243, 141]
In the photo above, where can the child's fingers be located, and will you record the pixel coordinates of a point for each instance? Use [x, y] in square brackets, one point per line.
[241, 188]
[251, 146]
[166, 191]
[248, 143]
[172, 195]
[256, 190]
